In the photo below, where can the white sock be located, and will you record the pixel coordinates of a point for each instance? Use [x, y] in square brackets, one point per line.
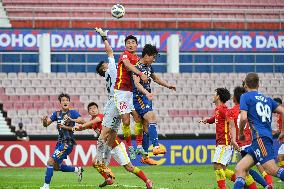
[76, 170]
[46, 185]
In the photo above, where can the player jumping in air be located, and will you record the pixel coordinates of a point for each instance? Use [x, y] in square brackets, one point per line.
[257, 109]
[67, 117]
[142, 97]
[118, 149]
[123, 95]
[111, 121]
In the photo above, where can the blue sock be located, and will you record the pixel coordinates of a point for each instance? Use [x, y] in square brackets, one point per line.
[259, 179]
[48, 174]
[153, 134]
[145, 142]
[280, 173]
[66, 168]
[239, 183]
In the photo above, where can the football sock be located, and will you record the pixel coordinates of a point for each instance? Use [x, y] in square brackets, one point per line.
[221, 177]
[153, 134]
[101, 147]
[268, 178]
[239, 183]
[145, 142]
[230, 175]
[127, 134]
[280, 173]
[48, 174]
[250, 182]
[281, 164]
[259, 179]
[107, 155]
[66, 168]
[138, 129]
[140, 174]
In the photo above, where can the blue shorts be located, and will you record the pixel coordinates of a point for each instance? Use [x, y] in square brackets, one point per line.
[261, 150]
[62, 150]
[142, 105]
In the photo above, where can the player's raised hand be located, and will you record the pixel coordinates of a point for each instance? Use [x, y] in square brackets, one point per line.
[103, 33]
[150, 96]
[173, 87]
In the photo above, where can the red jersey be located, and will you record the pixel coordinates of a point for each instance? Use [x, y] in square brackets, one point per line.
[222, 129]
[123, 79]
[98, 127]
[233, 114]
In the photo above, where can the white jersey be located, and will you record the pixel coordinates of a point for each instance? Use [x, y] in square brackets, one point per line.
[110, 76]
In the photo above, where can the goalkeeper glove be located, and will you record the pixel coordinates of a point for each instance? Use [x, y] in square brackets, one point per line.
[103, 33]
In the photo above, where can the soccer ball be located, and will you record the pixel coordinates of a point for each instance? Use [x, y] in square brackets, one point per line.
[117, 11]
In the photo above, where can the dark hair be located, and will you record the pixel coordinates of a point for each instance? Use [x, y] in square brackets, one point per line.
[238, 91]
[20, 125]
[63, 95]
[149, 50]
[99, 69]
[131, 37]
[278, 100]
[252, 80]
[92, 104]
[224, 94]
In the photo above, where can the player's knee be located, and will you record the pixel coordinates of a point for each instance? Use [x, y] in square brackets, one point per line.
[129, 168]
[50, 162]
[56, 167]
[272, 171]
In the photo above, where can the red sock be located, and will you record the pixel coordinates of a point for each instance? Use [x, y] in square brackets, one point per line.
[253, 186]
[128, 141]
[221, 184]
[268, 179]
[139, 139]
[141, 175]
[282, 166]
[104, 175]
[233, 178]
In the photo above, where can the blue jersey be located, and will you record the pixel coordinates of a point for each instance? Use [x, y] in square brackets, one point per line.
[63, 133]
[148, 71]
[259, 110]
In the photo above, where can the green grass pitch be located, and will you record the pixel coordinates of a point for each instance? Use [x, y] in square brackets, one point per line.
[164, 177]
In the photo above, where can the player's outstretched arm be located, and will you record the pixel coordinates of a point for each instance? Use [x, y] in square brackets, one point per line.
[103, 34]
[136, 80]
[133, 69]
[46, 121]
[158, 80]
[87, 125]
[242, 124]
[78, 120]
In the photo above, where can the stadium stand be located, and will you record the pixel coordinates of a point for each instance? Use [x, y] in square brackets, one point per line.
[214, 14]
[28, 96]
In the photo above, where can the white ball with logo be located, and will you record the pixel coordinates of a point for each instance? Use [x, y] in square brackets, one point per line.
[117, 11]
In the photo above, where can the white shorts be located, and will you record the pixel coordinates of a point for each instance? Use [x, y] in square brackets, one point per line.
[111, 115]
[120, 155]
[123, 101]
[281, 149]
[223, 154]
